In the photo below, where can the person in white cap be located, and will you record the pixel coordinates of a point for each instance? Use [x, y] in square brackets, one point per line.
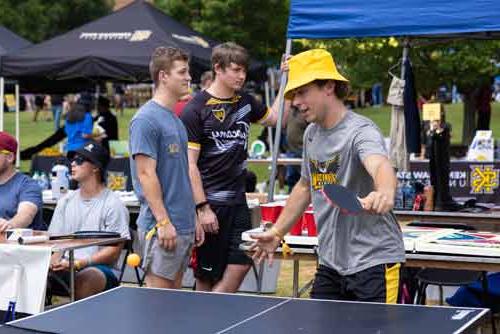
[359, 256]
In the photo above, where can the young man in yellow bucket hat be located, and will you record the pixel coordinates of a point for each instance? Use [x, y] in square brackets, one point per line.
[359, 255]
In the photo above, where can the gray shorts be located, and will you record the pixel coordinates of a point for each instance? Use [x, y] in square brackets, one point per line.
[161, 262]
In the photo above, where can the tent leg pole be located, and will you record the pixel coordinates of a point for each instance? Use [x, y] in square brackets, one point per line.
[2, 103]
[269, 130]
[274, 166]
[96, 95]
[406, 51]
[18, 134]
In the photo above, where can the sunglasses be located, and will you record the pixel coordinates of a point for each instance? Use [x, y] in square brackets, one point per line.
[79, 160]
[5, 152]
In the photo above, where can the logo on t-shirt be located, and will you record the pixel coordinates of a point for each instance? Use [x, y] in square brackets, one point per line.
[228, 139]
[173, 148]
[220, 114]
[324, 172]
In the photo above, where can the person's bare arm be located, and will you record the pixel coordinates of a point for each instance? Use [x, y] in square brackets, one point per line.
[267, 242]
[150, 184]
[206, 217]
[381, 200]
[105, 255]
[296, 204]
[272, 118]
[26, 212]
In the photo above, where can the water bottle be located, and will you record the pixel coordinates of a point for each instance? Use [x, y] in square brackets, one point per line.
[43, 181]
[36, 177]
[409, 196]
[59, 180]
[399, 198]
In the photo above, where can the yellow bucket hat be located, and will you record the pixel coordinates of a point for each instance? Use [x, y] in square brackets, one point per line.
[305, 67]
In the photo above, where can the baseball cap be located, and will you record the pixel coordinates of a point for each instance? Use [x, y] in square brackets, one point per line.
[305, 67]
[96, 154]
[8, 142]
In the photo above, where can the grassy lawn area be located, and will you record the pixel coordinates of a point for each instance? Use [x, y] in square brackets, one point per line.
[32, 133]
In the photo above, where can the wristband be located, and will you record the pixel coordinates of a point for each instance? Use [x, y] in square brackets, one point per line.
[163, 222]
[276, 232]
[201, 205]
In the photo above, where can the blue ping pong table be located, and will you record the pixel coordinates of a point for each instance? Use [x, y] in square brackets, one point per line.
[142, 310]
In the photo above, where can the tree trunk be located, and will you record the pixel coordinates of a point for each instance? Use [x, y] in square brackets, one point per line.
[469, 122]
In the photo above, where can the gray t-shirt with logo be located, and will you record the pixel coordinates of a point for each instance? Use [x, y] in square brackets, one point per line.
[159, 134]
[347, 243]
[104, 212]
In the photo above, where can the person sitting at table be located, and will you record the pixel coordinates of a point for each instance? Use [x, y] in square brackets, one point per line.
[20, 195]
[92, 207]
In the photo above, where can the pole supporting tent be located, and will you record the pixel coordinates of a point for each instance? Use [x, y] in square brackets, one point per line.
[277, 139]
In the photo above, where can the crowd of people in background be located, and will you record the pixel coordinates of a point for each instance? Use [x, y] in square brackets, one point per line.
[188, 152]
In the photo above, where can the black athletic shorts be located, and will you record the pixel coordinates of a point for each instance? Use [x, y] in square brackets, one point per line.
[223, 248]
[376, 284]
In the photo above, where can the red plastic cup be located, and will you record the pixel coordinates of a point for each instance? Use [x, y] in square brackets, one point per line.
[270, 212]
[297, 228]
[309, 224]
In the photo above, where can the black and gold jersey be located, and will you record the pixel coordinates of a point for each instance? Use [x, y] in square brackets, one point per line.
[219, 128]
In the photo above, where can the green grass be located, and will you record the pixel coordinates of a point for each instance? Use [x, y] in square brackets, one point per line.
[32, 133]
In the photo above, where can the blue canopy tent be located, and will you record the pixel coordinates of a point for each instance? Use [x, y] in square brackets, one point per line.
[314, 19]
[329, 19]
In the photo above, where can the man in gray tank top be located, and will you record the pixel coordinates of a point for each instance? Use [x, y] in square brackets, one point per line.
[359, 256]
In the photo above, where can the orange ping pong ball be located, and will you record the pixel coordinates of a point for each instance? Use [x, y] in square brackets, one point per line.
[133, 260]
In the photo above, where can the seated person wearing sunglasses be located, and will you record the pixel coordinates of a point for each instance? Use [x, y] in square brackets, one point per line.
[20, 195]
[92, 207]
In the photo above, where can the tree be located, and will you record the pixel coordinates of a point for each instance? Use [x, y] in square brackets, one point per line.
[462, 62]
[258, 25]
[38, 20]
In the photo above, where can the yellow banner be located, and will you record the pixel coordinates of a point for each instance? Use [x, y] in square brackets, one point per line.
[431, 111]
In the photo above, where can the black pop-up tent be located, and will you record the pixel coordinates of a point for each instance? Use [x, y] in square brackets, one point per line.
[10, 42]
[117, 47]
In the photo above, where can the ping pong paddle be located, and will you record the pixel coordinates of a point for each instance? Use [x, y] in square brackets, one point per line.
[72, 236]
[343, 198]
[86, 235]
